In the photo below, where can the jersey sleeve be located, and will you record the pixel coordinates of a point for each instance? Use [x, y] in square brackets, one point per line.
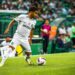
[34, 23]
[2, 43]
[19, 18]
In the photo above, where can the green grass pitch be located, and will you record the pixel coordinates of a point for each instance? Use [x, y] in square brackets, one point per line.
[56, 64]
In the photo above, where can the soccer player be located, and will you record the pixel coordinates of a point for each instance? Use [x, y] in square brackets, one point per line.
[6, 42]
[26, 24]
[4, 51]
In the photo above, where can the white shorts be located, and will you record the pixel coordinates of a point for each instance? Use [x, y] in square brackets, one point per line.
[19, 40]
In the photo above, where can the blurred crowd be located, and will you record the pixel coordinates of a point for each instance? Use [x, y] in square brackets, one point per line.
[66, 36]
[47, 8]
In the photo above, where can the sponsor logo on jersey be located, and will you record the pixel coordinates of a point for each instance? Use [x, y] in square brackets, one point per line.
[27, 27]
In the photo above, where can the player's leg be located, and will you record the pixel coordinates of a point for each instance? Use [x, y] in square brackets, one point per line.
[2, 51]
[26, 45]
[28, 54]
[13, 45]
[28, 57]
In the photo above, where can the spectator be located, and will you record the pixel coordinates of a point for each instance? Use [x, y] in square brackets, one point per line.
[45, 34]
[72, 11]
[52, 4]
[44, 15]
[10, 5]
[64, 11]
[59, 41]
[68, 44]
[20, 5]
[69, 30]
[64, 42]
[27, 4]
[73, 35]
[62, 29]
[5, 6]
[46, 2]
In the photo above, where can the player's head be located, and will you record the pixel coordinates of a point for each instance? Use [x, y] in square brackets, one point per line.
[33, 12]
[47, 21]
[8, 39]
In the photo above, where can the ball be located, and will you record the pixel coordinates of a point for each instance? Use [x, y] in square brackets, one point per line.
[45, 30]
[41, 61]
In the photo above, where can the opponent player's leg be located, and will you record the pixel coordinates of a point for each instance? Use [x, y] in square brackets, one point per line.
[26, 45]
[9, 48]
[12, 53]
[4, 54]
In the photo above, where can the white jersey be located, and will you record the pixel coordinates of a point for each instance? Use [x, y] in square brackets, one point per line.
[4, 43]
[25, 24]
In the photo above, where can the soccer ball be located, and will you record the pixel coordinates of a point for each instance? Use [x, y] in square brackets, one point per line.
[41, 61]
[45, 30]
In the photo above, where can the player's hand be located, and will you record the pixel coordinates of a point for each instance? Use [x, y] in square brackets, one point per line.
[6, 31]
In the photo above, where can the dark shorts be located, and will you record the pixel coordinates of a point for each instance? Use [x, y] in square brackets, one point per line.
[73, 40]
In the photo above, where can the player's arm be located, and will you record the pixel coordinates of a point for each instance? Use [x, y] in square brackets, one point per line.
[9, 26]
[31, 35]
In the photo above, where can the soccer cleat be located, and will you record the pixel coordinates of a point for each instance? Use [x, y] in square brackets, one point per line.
[28, 60]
